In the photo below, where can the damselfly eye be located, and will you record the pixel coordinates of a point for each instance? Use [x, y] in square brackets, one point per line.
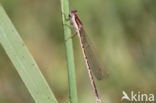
[74, 12]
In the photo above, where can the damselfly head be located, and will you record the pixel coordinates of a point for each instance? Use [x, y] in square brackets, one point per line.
[73, 12]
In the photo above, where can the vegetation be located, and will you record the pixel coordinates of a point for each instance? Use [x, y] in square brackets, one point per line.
[123, 33]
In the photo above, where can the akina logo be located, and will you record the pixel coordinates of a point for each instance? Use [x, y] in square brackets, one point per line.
[137, 97]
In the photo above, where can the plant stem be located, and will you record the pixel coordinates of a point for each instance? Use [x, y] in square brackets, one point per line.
[69, 52]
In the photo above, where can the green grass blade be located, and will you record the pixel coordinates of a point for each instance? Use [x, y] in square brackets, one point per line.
[23, 61]
[69, 51]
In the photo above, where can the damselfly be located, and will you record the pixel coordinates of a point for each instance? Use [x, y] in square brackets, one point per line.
[89, 56]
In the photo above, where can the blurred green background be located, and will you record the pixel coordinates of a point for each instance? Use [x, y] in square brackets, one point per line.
[123, 33]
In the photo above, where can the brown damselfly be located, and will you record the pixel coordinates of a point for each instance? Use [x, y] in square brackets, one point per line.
[89, 56]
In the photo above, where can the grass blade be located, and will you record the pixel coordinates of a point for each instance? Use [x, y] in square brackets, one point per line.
[23, 61]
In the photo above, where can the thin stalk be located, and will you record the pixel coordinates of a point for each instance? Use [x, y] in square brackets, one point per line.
[69, 51]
